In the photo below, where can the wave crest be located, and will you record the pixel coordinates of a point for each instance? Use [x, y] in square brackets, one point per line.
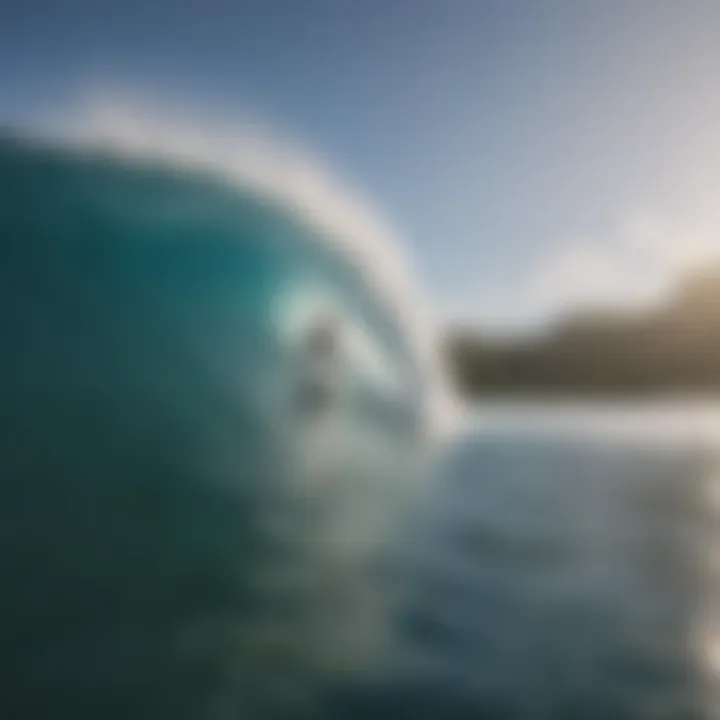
[252, 156]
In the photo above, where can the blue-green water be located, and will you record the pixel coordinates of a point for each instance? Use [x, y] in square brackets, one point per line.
[202, 517]
[197, 506]
[563, 575]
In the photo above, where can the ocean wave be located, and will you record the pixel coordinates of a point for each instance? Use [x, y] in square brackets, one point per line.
[184, 538]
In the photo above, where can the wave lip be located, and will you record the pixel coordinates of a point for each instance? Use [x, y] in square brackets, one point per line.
[250, 156]
[134, 402]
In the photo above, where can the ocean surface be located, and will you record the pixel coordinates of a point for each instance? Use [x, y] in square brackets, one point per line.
[212, 418]
[189, 531]
[566, 567]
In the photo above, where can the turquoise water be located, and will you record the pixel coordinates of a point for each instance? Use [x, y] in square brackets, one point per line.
[201, 516]
[184, 533]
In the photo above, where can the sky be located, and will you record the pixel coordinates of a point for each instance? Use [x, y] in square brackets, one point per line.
[532, 157]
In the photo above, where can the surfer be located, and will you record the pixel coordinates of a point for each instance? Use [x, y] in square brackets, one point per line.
[321, 366]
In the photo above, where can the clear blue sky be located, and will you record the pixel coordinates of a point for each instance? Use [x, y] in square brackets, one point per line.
[533, 154]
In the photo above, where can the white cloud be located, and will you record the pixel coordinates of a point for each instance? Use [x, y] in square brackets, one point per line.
[643, 259]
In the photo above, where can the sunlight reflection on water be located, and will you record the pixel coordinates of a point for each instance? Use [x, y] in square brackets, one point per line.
[568, 568]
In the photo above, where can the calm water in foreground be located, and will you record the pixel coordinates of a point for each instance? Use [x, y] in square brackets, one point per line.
[568, 567]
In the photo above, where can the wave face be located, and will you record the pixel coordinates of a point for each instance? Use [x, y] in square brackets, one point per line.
[198, 496]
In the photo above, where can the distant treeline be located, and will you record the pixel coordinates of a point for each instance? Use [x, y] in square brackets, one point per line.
[674, 348]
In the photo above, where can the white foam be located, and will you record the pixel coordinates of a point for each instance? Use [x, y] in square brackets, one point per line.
[256, 159]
